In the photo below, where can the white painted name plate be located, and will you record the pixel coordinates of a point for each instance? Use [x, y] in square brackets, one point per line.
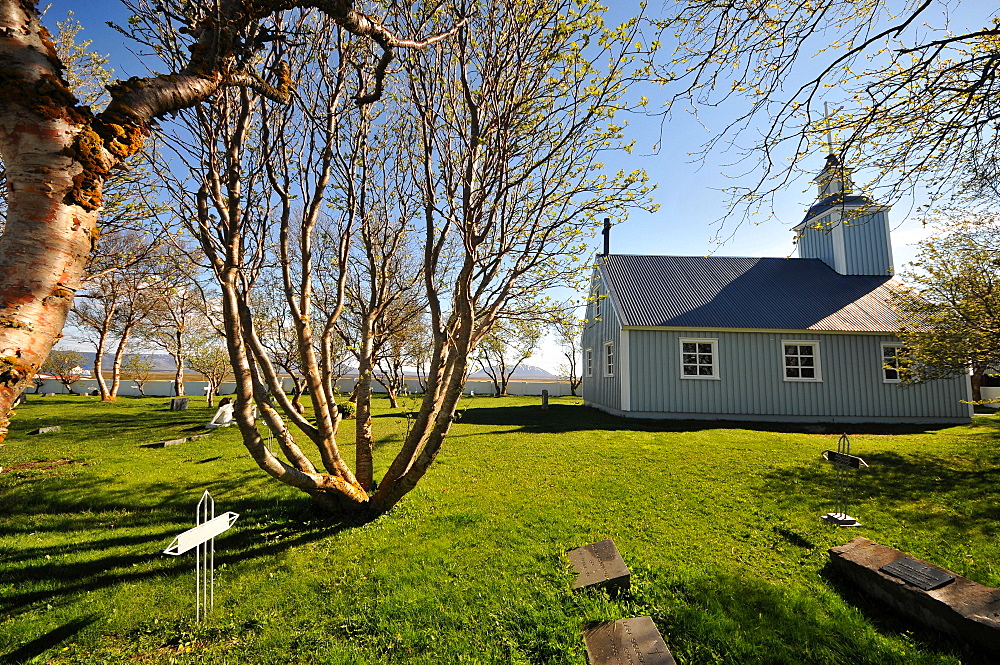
[201, 533]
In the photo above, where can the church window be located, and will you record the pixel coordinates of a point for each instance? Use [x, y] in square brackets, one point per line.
[699, 359]
[891, 362]
[801, 360]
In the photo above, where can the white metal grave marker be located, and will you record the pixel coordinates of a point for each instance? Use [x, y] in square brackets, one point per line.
[843, 461]
[202, 539]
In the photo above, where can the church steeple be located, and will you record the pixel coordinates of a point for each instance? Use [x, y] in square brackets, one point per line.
[847, 231]
[835, 178]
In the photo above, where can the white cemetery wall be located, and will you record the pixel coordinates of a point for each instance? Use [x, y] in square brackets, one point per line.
[196, 389]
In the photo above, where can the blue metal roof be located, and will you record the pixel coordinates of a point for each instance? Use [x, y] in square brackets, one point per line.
[838, 200]
[746, 292]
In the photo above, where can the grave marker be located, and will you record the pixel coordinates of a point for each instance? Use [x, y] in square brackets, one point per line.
[600, 565]
[918, 573]
[845, 464]
[46, 430]
[179, 404]
[201, 538]
[633, 641]
[545, 400]
[954, 604]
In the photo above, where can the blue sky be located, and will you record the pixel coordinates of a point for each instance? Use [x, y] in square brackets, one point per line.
[688, 191]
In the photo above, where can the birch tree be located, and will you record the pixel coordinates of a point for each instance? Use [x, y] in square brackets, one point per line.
[950, 316]
[206, 354]
[503, 155]
[902, 89]
[58, 154]
[138, 369]
[117, 297]
[505, 348]
[508, 136]
[66, 366]
[567, 328]
[178, 303]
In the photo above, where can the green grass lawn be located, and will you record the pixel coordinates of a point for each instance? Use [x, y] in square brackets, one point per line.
[720, 527]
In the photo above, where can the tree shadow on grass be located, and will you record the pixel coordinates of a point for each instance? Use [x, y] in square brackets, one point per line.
[133, 551]
[902, 484]
[36, 647]
[741, 619]
[569, 418]
[888, 621]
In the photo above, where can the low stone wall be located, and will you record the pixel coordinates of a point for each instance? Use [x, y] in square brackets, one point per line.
[963, 608]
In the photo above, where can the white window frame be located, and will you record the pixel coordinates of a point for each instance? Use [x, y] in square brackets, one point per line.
[588, 362]
[882, 358]
[714, 342]
[609, 358]
[597, 306]
[816, 355]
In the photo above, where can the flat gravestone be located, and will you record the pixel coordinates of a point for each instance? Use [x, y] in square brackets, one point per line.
[599, 565]
[46, 430]
[627, 642]
[960, 606]
[173, 442]
[179, 404]
[917, 573]
[163, 444]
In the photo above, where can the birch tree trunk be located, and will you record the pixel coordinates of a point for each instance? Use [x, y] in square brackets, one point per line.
[52, 200]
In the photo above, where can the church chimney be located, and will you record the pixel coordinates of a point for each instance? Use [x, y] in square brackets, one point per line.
[607, 235]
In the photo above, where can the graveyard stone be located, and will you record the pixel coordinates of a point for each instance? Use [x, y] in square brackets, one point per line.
[627, 642]
[545, 400]
[955, 605]
[600, 565]
[46, 430]
[223, 416]
[179, 404]
[162, 444]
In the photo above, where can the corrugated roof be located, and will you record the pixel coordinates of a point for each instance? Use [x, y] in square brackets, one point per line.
[838, 200]
[746, 292]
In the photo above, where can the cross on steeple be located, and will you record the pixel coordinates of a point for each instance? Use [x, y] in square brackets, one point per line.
[829, 126]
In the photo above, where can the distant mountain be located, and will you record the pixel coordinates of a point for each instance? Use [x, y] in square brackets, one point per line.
[161, 361]
[522, 373]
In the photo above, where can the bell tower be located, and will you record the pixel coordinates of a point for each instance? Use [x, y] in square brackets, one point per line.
[847, 231]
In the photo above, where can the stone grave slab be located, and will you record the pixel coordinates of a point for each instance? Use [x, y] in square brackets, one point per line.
[917, 573]
[172, 442]
[599, 565]
[46, 430]
[633, 641]
[957, 606]
[179, 404]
